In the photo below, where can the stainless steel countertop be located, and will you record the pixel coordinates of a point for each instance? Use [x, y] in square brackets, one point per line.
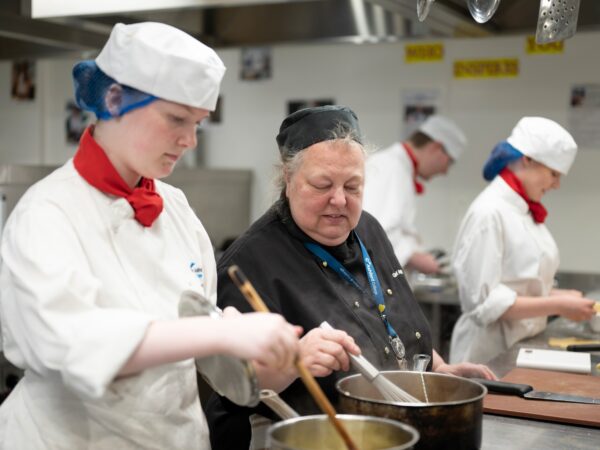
[501, 432]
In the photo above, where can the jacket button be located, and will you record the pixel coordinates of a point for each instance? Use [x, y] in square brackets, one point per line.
[389, 292]
[386, 350]
[324, 263]
[356, 305]
[418, 335]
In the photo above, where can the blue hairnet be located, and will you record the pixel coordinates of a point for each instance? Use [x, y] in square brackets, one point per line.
[91, 85]
[502, 154]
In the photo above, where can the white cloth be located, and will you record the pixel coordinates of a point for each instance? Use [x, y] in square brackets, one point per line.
[500, 253]
[80, 282]
[390, 196]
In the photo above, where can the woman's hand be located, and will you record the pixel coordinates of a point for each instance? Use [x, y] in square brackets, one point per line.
[467, 370]
[324, 351]
[264, 337]
[575, 308]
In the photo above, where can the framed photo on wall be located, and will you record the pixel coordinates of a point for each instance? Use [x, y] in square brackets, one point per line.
[256, 63]
[23, 80]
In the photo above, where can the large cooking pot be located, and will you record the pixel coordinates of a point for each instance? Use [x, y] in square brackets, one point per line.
[451, 419]
[317, 433]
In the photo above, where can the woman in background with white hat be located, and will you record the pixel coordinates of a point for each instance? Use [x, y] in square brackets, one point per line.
[95, 258]
[505, 258]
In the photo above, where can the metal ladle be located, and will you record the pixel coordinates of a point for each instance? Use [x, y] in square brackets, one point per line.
[423, 7]
[277, 404]
[482, 10]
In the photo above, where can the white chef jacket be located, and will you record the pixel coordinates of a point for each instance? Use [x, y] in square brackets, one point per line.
[500, 253]
[80, 282]
[390, 196]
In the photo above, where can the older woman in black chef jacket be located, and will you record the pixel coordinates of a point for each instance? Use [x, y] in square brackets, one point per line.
[315, 256]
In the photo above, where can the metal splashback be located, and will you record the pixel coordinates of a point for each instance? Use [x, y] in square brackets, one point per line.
[220, 198]
[222, 23]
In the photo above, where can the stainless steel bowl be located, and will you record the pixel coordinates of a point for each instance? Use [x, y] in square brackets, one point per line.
[452, 418]
[317, 433]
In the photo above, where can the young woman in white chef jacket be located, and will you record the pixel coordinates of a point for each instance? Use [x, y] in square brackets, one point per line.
[505, 258]
[95, 258]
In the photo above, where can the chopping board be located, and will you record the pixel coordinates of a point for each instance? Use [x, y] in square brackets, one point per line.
[546, 380]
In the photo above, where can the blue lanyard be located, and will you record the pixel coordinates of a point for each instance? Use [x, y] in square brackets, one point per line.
[338, 268]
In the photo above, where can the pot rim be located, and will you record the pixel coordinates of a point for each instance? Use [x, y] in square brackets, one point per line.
[348, 417]
[476, 398]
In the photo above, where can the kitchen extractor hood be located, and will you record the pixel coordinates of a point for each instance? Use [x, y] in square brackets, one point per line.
[225, 23]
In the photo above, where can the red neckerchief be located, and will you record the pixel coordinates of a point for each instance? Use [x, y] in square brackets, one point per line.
[94, 166]
[419, 188]
[537, 210]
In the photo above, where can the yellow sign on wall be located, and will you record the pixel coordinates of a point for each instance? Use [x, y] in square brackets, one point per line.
[553, 47]
[486, 68]
[416, 53]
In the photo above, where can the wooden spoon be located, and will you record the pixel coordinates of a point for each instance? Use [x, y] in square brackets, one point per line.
[240, 280]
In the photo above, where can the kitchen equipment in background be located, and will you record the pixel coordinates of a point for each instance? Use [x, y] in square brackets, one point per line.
[452, 418]
[527, 391]
[438, 297]
[537, 358]
[229, 376]
[595, 322]
[557, 20]
[316, 433]
[420, 362]
[482, 10]
[388, 390]
[423, 7]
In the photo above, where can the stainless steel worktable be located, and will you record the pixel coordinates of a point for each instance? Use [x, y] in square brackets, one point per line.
[500, 432]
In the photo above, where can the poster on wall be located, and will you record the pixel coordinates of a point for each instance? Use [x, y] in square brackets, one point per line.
[23, 80]
[417, 105]
[584, 115]
[296, 105]
[75, 123]
[256, 63]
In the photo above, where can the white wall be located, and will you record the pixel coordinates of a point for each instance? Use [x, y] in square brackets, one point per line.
[370, 79]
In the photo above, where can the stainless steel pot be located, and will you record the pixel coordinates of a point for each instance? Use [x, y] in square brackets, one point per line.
[317, 433]
[452, 418]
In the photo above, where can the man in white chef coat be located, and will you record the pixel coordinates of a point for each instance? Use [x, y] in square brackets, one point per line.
[394, 177]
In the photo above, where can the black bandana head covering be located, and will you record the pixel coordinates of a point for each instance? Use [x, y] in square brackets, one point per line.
[310, 126]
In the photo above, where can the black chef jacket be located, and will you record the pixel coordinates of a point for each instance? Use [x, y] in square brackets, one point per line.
[294, 283]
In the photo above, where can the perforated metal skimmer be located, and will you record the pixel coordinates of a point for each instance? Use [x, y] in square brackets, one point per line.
[557, 20]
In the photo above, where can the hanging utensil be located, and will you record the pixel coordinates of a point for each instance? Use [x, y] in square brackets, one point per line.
[423, 7]
[482, 10]
[242, 283]
[557, 20]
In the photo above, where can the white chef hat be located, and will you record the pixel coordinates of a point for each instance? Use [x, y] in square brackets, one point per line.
[544, 141]
[163, 61]
[445, 131]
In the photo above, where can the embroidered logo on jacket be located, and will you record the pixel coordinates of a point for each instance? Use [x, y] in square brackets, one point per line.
[395, 273]
[197, 270]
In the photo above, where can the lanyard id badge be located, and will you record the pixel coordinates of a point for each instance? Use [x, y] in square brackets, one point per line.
[395, 341]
